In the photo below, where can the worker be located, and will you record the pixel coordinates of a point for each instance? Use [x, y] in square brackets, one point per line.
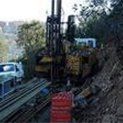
[68, 86]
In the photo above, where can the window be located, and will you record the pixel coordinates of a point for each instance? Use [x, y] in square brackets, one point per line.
[82, 43]
[17, 69]
[6, 68]
[90, 43]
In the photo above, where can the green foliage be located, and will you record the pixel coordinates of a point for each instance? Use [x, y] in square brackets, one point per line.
[88, 19]
[31, 38]
[99, 20]
[2, 38]
[3, 49]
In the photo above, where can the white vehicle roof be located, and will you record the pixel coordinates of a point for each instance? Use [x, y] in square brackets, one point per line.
[14, 63]
[86, 40]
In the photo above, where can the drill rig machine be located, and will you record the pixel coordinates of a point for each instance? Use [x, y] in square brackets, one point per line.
[55, 62]
[50, 61]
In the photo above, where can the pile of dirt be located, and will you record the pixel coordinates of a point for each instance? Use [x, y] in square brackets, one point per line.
[109, 108]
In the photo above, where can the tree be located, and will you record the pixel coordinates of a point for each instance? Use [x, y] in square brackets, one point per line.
[31, 38]
[89, 17]
[113, 20]
[3, 49]
[95, 19]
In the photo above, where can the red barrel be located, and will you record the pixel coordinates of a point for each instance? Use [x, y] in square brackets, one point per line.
[61, 107]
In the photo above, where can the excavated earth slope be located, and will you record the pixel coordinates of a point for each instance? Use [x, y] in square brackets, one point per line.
[109, 107]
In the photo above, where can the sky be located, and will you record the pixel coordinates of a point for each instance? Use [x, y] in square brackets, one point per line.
[26, 10]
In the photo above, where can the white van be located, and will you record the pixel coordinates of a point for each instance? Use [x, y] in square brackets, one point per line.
[86, 42]
[12, 69]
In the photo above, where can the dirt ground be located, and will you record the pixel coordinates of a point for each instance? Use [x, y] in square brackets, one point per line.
[109, 108]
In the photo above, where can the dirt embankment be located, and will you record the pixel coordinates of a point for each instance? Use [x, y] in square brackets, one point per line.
[110, 80]
[109, 108]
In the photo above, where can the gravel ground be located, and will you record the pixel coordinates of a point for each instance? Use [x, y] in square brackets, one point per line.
[42, 117]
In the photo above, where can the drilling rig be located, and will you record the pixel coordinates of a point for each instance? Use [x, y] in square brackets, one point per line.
[51, 60]
[59, 60]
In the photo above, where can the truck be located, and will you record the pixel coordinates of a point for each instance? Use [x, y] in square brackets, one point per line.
[13, 69]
